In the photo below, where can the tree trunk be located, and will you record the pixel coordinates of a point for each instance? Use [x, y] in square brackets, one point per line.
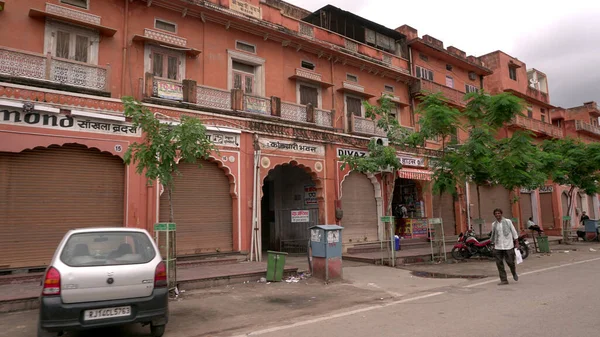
[566, 223]
[170, 195]
[478, 202]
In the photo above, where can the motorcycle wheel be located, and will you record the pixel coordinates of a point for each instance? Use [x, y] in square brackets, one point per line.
[524, 251]
[459, 253]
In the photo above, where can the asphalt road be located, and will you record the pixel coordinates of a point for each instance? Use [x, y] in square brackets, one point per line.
[556, 296]
[560, 301]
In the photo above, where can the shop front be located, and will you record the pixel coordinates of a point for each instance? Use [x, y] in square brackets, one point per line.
[361, 200]
[290, 193]
[59, 170]
[205, 199]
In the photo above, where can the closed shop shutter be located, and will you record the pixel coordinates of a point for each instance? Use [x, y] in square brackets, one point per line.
[46, 192]
[360, 209]
[492, 197]
[564, 200]
[448, 216]
[202, 208]
[547, 210]
[526, 208]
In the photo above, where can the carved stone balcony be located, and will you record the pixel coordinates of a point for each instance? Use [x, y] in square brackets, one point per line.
[538, 127]
[46, 69]
[366, 127]
[454, 96]
[538, 95]
[587, 128]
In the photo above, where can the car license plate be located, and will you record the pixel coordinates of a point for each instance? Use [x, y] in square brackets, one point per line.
[90, 315]
[526, 242]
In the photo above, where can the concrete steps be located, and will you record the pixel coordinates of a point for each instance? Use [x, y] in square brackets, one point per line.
[405, 244]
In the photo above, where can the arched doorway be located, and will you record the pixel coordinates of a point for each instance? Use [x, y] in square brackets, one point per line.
[360, 220]
[46, 192]
[289, 206]
[203, 209]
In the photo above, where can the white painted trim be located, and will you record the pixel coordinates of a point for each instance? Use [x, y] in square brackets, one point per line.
[259, 69]
[312, 85]
[246, 43]
[52, 26]
[168, 22]
[97, 115]
[12, 104]
[362, 107]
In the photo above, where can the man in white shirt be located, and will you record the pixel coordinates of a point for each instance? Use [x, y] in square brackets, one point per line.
[505, 240]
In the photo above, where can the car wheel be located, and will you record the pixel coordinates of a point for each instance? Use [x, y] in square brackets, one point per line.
[157, 330]
[43, 333]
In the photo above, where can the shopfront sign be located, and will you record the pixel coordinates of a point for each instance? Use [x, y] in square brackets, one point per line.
[245, 8]
[169, 90]
[291, 146]
[411, 161]
[224, 138]
[300, 216]
[354, 153]
[419, 228]
[310, 195]
[67, 122]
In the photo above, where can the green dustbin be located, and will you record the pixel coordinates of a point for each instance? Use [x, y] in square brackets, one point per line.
[275, 266]
[543, 245]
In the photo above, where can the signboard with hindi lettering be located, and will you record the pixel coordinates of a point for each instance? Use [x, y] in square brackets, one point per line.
[245, 8]
[300, 216]
[411, 161]
[224, 138]
[67, 123]
[168, 90]
[291, 146]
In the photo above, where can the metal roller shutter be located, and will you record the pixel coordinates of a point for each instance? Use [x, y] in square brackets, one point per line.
[202, 208]
[492, 197]
[360, 209]
[448, 216]
[547, 210]
[46, 192]
[526, 208]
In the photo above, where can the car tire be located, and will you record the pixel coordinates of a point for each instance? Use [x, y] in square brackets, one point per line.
[157, 330]
[43, 333]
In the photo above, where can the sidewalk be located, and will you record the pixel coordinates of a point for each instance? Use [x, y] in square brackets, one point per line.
[560, 254]
[22, 292]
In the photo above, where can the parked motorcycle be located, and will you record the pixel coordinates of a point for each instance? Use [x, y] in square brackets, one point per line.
[468, 245]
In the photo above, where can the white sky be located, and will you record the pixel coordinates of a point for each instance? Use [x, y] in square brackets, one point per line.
[561, 39]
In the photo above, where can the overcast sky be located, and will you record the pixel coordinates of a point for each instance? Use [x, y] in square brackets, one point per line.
[561, 39]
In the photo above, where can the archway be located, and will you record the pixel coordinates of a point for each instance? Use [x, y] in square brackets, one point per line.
[289, 206]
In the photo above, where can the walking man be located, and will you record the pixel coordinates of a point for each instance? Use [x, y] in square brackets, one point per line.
[505, 240]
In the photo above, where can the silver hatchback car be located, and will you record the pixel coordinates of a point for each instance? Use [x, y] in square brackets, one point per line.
[101, 277]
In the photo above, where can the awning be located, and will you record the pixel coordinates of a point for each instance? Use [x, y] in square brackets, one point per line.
[415, 174]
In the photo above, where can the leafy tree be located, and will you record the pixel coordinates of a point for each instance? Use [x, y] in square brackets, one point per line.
[163, 145]
[572, 163]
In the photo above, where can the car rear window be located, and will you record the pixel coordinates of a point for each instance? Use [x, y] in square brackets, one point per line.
[107, 249]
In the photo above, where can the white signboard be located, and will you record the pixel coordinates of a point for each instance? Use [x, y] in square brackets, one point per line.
[224, 138]
[347, 152]
[412, 161]
[310, 195]
[333, 236]
[291, 146]
[245, 8]
[66, 122]
[300, 216]
[315, 235]
[547, 189]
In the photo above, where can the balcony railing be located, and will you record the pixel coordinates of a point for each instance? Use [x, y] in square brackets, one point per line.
[167, 89]
[213, 97]
[540, 96]
[27, 65]
[583, 126]
[324, 118]
[366, 126]
[454, 96]
[293, 112]
[538, 126]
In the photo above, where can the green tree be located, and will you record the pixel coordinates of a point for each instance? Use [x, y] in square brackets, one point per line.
[163, 145]
[572, 163]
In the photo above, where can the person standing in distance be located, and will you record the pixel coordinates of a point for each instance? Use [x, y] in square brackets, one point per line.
[505, 240]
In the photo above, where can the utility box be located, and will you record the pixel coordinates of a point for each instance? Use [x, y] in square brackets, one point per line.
[326, 247]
